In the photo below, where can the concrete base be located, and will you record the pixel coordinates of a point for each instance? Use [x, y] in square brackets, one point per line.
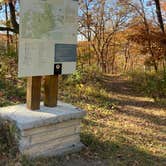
[48, 131]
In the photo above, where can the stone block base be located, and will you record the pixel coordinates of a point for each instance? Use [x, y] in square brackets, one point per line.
[48, 131]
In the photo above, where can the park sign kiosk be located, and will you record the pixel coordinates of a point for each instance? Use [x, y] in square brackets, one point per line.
[48, 37]
[47, 46]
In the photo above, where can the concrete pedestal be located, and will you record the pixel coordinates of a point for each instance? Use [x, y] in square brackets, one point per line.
[48, 131]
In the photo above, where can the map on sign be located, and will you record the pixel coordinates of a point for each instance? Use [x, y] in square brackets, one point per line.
[45, 26]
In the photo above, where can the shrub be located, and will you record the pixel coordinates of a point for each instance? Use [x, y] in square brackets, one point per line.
[3, 69]
[88, 73]
[152, 84]
[156, 86]
[9, 136]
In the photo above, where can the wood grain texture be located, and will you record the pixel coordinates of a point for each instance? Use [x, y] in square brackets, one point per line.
[51, 91]
[33, 92]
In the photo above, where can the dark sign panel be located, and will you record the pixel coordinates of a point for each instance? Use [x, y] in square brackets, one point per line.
[65, 53]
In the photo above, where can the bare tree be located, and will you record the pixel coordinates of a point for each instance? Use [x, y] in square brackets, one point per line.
[15, 26]
[99, 22]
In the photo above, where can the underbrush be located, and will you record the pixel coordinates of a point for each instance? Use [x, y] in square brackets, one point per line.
[84, 86]
[83, 76]
[12, 89]
[9, 136]
[150, 84]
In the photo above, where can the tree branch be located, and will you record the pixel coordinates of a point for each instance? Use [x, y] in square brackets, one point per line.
[7, 29]
[13, 17]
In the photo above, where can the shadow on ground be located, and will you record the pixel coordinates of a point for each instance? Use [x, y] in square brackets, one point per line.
[121, 154]
[98, 130]
[113, 154]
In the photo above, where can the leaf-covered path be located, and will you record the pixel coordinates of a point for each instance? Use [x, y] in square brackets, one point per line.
[138, 120]
[122, 126]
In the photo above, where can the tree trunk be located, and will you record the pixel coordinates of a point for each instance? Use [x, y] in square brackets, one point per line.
[7, 32]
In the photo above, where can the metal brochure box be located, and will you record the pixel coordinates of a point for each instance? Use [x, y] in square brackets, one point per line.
[48, 36]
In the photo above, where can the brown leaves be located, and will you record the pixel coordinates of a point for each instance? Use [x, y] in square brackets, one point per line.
[152, 40]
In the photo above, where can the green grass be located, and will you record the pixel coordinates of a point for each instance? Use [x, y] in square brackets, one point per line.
[121, 127]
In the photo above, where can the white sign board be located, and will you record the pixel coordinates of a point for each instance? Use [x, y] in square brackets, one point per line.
[48, 37]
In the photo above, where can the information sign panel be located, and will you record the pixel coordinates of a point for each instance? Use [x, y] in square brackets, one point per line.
[48, 36]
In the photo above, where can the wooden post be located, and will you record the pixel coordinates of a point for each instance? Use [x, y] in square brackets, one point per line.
[51, 91]
[33, 92]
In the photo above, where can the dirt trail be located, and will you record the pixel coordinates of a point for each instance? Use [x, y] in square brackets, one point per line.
[133, 103]
[134, 130]
[137, 118]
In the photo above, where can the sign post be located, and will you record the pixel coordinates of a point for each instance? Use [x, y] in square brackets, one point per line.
[47, 46]
[33, 92]
[51, 91]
